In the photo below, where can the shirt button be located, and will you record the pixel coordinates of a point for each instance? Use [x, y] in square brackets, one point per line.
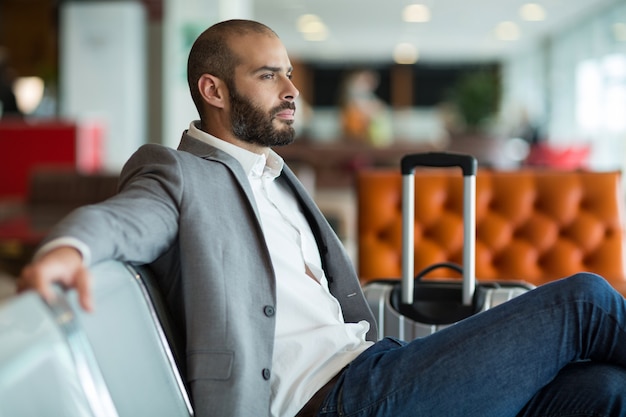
[269, 311]
[266, 374]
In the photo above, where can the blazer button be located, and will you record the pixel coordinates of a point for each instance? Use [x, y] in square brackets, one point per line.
[269, 311]
[266, 374]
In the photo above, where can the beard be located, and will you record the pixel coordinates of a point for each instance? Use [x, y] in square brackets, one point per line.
[254, 125]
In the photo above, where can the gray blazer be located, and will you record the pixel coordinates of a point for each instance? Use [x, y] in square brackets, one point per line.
[191, 214]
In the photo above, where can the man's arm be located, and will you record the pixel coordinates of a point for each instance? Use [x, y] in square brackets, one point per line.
[136, 225]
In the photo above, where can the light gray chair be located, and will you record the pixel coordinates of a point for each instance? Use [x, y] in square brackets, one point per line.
[119, 361]
[47, 367]
[127, 331]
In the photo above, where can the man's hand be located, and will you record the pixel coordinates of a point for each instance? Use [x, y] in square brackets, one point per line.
[62, 265]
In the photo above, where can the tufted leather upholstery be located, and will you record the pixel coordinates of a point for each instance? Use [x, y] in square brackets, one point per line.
[531, 225]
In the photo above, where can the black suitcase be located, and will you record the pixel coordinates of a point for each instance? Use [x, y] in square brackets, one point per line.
[411, 307]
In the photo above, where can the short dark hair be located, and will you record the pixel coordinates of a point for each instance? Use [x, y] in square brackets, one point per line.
[212, 54]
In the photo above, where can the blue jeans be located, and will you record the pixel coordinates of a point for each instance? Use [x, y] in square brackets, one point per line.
[559, 350]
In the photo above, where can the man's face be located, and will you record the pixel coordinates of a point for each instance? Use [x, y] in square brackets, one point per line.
[254, 124]
[261, 94]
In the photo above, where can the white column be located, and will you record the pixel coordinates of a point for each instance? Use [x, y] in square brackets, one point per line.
[103, 73]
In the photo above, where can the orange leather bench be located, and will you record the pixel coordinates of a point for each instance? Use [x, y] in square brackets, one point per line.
[534, 225]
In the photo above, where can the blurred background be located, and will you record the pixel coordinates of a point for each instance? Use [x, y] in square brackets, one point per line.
[516, 83]
[551, 71]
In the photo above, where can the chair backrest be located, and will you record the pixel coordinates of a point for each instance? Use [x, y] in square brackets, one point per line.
[58, 360]
[534, 225]
[47, 367]
[130, 344]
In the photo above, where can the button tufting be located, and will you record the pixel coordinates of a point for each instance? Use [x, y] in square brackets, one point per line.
[535, 225]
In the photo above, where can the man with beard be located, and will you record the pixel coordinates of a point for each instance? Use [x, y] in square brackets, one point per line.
[271, 307]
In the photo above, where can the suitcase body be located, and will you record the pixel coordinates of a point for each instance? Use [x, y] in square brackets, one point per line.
[410, 307]
[383, 299]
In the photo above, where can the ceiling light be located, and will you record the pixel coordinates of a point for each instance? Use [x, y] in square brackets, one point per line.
[312, 27]
[306, 20]
[619, 31]
[405, 53]
[507, 31]
[417, 13]
[532, 12]
[319, 34]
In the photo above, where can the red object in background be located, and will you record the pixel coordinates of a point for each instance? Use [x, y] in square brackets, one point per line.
[570, 157]
[25, 146]
[89, 142]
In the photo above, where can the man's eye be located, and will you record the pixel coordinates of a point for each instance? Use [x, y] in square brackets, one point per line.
[267, 76]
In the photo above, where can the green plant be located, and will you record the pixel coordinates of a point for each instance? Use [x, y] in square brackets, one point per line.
[476, 96]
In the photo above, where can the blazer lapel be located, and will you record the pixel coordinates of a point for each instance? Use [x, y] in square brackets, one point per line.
[309, 208]
[210, 153]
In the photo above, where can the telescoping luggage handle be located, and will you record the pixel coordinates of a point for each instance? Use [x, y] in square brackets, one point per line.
[468, 165]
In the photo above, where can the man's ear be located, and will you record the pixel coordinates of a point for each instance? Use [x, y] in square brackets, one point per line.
[212, 90]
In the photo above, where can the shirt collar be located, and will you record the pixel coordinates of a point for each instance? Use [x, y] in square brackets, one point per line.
[255, 165]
